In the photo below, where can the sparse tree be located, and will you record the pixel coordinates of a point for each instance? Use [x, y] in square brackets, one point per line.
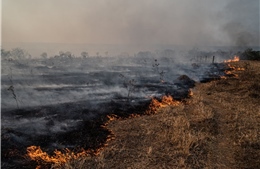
[157, 70]
[250, 54]
[68, 54]
[44, 55]
[62, 54]
[84, 54]
[11, 88]
[5, 54]
[19, 53]
[129, 85]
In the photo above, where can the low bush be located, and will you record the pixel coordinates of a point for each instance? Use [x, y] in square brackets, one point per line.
[250, 54]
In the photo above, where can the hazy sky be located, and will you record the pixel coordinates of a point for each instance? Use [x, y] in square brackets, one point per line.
[177, 22]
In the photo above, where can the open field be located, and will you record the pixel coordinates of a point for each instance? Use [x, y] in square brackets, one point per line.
[219, 127]
[60, 103]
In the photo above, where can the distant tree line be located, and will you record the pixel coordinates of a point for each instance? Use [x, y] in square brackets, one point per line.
[250, 54]
[16, 53]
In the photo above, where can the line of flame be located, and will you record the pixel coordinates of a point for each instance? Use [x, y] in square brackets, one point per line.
[35, 153]
[235, 59]
[156, 104]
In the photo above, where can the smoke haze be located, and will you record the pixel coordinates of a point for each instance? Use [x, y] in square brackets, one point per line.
[54, 101]
[193, 23]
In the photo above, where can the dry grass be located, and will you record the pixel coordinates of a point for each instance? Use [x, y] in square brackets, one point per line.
[219, 127]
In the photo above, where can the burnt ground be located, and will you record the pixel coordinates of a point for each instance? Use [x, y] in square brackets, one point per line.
[154, 137]
[219, 127]
[88, 134]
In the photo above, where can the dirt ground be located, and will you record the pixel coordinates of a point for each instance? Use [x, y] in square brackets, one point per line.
[218, 127]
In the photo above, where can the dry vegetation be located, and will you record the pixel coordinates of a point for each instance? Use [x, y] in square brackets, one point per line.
[219, 127]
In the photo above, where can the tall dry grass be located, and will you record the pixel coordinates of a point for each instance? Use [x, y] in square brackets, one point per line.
[219, 127]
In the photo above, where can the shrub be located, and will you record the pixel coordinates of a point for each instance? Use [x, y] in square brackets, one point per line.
[250, 54]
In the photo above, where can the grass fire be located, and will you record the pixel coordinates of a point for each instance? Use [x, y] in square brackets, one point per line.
[129, 113]
[235, 59]
[130, 84]
[207, 130]
[59, 158]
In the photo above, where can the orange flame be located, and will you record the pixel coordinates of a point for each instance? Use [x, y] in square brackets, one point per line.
[228, 72]
[236, 68]
[235, 59]
[156, 104]
[36, 154]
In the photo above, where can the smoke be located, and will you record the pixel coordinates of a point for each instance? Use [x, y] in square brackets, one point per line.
[242, 22]
[63, 100]
[239, 35]
[142, 23]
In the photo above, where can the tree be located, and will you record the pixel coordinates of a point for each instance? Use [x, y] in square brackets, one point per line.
[129, 85]
[250, 54]
[62, 54]
[84, 54]
[44, 55]
[19, 53]
[5, 54]
[68, 54]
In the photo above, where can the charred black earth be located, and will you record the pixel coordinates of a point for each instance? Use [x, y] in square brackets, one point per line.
[57, 104]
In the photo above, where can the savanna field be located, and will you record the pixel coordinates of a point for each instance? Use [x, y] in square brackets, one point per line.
[135, 112]
[218, 126]
[171, 84]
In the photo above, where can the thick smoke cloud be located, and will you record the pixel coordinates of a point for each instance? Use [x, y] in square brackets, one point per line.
[139, 23]
[242, 22]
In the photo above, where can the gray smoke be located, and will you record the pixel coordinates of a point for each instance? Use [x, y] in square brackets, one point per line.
[242, 22]
[239, 35]
[140, 24]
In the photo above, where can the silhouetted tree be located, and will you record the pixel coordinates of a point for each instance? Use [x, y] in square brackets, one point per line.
[68, 54]
[84, 54]
[250, 54]
[62, 54]
[129, 85]
[157, 70]
[19, 53]
[5, 54]
[44, 55]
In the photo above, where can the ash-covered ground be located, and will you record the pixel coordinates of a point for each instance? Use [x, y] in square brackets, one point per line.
[59, 103]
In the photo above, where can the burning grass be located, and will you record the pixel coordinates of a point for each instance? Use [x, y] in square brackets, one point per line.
[62, 158]
[217, 128]
[35, 153]
[165, 101]
[235, 59]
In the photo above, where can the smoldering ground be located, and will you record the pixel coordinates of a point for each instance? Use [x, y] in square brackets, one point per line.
[59, 100]
[53, 102]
